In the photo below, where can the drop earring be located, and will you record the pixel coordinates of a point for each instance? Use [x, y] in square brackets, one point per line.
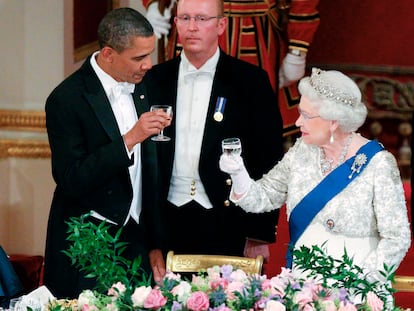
[331, 139]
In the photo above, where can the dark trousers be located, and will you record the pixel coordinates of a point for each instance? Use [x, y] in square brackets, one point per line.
[66, 281]
[192, 229]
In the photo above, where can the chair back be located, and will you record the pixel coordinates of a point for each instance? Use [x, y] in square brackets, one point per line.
[195, 263]
[404, 283]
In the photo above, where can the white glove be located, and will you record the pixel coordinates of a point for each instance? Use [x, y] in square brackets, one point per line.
[160, 23]
[293, 68]
[234, 166]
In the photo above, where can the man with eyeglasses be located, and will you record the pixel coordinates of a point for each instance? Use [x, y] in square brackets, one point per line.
[272, 34]
[214, 96]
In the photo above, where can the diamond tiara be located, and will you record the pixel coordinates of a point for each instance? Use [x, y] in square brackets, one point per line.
[330, 92]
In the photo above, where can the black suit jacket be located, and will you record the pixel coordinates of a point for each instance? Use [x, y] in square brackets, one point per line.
[251, 113]
[90, 165]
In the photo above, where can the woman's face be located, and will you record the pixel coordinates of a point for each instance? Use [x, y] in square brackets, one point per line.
[314, 129]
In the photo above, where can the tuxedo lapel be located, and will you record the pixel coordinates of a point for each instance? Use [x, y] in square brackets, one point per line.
[99, 102]
[140, 99]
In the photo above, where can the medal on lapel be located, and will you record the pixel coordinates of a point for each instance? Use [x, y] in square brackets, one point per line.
[219, 110]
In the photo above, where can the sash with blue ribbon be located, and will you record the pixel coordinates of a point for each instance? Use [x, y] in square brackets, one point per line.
[304, 212]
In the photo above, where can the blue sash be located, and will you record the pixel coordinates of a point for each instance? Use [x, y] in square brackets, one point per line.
[330, 186]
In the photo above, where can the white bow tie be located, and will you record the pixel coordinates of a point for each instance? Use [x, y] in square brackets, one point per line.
[122, 88]
[191, 75]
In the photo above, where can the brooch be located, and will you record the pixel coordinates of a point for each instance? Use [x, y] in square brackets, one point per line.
[360, 160]
[330, 224]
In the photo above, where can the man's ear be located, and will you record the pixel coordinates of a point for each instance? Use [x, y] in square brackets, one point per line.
[222, 25]
[107, 54]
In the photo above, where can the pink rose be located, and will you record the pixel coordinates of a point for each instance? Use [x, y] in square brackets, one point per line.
[374, 302]
[278, 286]
[346, 306]
[239, 275]
[266, 284]
[328, 305]
[87, 307]
[304, 297]
[219, 282]
[172, 276]
[116, 289]
[111, 307]
[198, 301]
[309, 307]
[213, 273]
[273, 305]
[232, 288]
[155, 300]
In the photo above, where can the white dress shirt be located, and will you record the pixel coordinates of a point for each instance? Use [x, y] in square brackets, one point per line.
[126, 116]
[193, 97]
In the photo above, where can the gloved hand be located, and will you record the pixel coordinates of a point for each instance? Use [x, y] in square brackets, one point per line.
[160, 23]
[234, 166]
[293, 68]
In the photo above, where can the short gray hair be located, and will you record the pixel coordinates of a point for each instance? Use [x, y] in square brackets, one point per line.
[336, 96]
[119, 26]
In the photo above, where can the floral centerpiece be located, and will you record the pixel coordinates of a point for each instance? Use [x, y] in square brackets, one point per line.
[330, 284]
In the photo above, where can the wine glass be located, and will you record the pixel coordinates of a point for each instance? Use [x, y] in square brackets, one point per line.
[14, 303]
[167, 109]
[231, 146]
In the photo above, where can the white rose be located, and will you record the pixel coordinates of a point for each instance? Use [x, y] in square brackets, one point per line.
[87, 297]
[182, 291]
[140, 294]
[273, 305]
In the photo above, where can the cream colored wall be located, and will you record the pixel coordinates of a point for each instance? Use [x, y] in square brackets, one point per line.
[30, 188]
[36, 54]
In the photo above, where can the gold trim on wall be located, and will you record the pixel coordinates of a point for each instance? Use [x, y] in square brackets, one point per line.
[23, 120]
[24, 149]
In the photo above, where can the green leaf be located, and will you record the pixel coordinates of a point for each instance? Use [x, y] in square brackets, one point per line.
[98, 255]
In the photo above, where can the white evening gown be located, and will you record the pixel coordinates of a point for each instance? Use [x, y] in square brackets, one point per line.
[369, 216]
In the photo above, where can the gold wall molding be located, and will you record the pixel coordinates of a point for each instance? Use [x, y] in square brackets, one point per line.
[22, 120]
[24, 149]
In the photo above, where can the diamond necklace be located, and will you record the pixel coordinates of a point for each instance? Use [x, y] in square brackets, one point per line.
[326, 164]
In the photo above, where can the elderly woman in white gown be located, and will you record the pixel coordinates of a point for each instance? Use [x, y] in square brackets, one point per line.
[339, 187]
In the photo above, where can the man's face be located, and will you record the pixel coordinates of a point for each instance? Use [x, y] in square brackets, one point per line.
[199, 37]
[131, 64]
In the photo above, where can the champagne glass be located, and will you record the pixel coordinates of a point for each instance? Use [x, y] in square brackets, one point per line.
[167, 109]
[231, 146]
[14, 304]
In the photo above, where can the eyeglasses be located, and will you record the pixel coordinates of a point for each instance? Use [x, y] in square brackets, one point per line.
[198, 19]
[306, 116]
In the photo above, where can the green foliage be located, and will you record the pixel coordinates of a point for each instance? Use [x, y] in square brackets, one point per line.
[98, 254]
[342, 273]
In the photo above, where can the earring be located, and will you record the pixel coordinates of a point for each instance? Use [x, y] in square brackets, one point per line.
[331, 139]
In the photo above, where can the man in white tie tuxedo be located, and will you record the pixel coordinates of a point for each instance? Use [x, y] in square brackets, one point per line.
[98, 122]
[214, 96]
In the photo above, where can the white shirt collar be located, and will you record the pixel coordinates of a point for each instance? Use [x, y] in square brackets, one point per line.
[107, 81]
[208, 67]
